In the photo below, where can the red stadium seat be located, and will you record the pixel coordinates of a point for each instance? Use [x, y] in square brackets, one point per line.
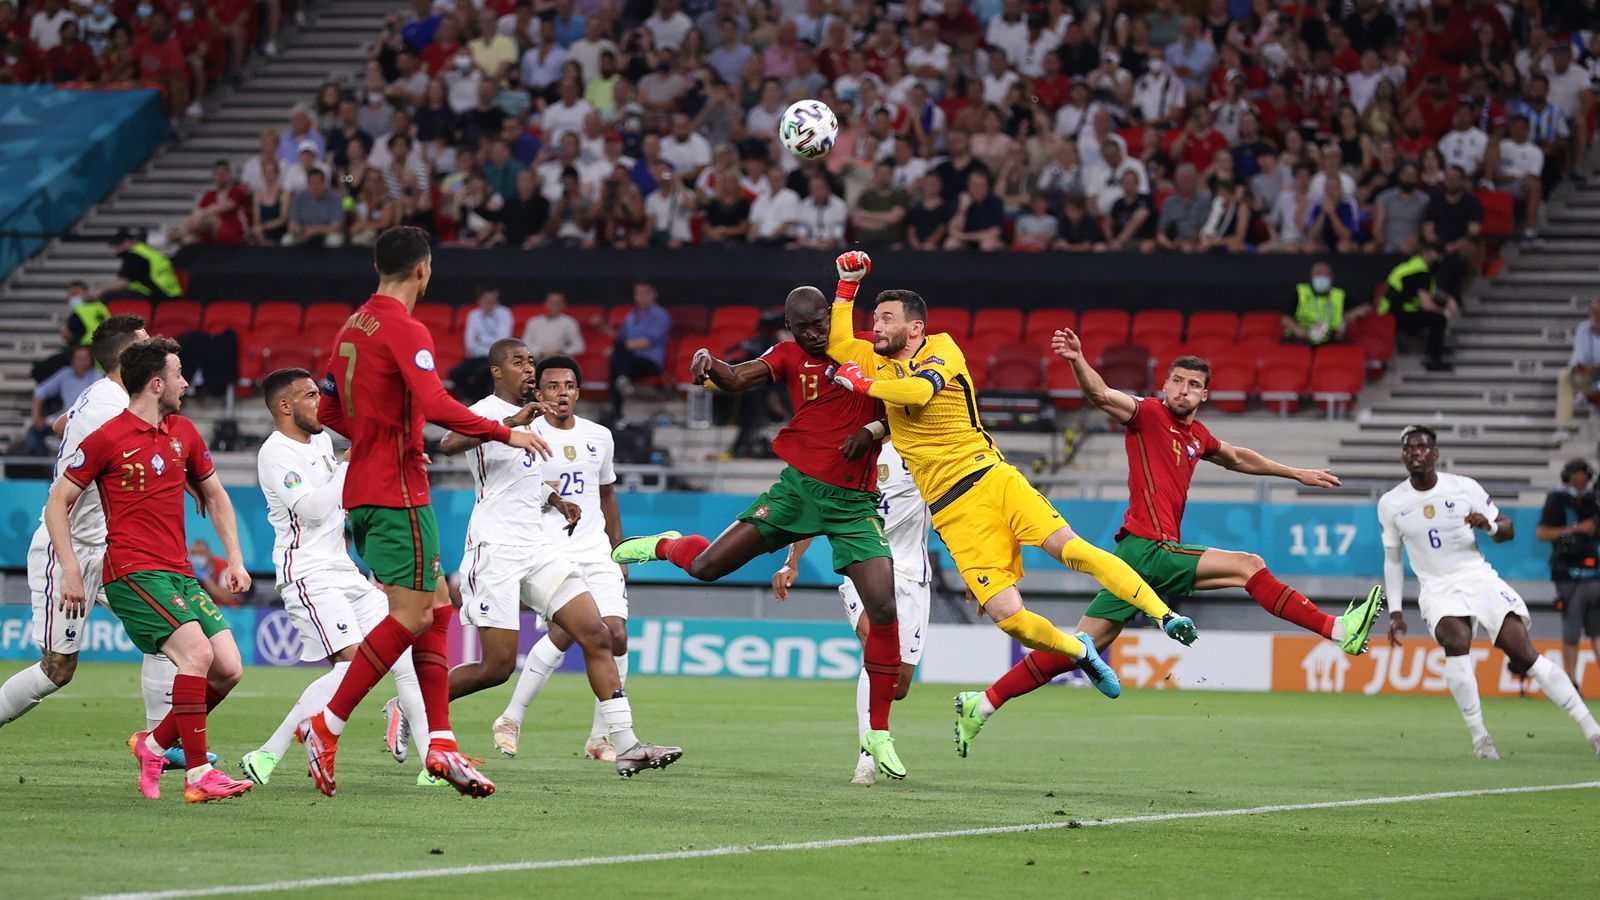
[520, 314]
[1211, 349]
[738, 316]
[1254, 325]
[687, 320]
[1213, 323]
[259, 351]
[616, 314]
[1062, 386]
[1337, 375]
[1255, 349]
[1126, 367]
[281, 312]
[1156, 324]
[323, 317]
[979, 370]
[1016, 367]
[1285, 376]
[1107, 326]
[438, 317]
[1499, 213]
[721, 341]
[980, 348]
[1374, 334]
[130, 306]
[1232, 383]
[1162, 352]
[954, 321]
[1001, 323]
[596, 366]
[1042, 324]
[221, 315]
[175, 317]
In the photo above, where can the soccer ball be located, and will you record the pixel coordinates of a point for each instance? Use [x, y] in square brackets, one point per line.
[808, 129]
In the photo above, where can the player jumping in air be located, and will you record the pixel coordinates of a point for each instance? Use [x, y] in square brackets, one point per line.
[581, 465]
[983, 508]
[380, 391]
[512, 562]
[331, 604]
[1165, 444]
[140, 461]
[1433, 517]
[822, 491]
[906, 523]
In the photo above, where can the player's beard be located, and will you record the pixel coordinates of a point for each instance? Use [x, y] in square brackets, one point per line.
[892, 344]
[309, 425]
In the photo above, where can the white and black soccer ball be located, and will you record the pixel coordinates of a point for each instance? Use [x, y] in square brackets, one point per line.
[808, 129]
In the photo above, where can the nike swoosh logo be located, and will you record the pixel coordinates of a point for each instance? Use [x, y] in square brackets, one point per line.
[811, 365]
[129, 453]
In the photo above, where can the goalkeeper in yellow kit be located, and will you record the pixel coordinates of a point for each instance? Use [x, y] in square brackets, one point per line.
[983, 508]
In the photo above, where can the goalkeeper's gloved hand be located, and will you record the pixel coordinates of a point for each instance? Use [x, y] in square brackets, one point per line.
[853, 266]
[850, 376]
[1179, 628]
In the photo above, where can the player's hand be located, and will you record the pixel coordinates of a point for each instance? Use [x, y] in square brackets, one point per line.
[236, 578]
[624, 574]
[1397, 628]
[527, 440]
[199, 499]
[572, 512]
[850, 376]
[1477, 520]
[782, 580]
[856, 445]
[1321, 478]
[525, 415]
[72, 600]
[1585, 527]
[853, 265]
[700, 366]
[1065, 344]
[1179, 628]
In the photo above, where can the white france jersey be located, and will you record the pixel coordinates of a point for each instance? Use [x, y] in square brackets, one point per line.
[303, 484]
[98, 404]
[581, 461]
[905, 516]
[1430, 526]
[510, 487]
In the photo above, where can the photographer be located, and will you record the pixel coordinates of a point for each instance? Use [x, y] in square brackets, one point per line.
[1568, 522]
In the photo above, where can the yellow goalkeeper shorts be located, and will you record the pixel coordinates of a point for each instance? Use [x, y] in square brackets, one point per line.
[986, 519]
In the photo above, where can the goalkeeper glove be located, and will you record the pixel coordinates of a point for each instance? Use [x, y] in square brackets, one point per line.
[851, 377]
[853, 266]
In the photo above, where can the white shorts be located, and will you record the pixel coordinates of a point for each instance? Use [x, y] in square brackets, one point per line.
[911, 611]
[607, 586]
[1485, 599]
[332, 609]
[53, 630]
[501, 578]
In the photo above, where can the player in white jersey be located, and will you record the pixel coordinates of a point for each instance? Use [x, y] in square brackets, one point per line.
[513, 563]
[581, 468]
[58, 635]
[906, 521]
[1433, 517]
[325, 595]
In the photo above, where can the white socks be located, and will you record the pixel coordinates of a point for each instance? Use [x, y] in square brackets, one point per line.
[618, 718]
[599, 726]
[1463, 682]
[404, 674]
[23, 691]
[543, 659]
[1559, 689]
[314, 697]
[1339, 632]
[863, 695]
[155, 685]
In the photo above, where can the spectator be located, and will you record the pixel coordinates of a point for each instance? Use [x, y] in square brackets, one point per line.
[443, 49]
[958, 167]
[1157, 94]
[500, 169]
[1398, 213]
[572, 217]
[600, 91]
[778, 59]
[729, 56]
[820, 219]
[1453, 221]
[1077, 112]
[554, 333]
[1582, 371]
[1079, 231]
[1466, 143]
[587, 52]
[84, 315]
[296, 176]
[727, 214]
[526, 212]
[1291, 213]
[660, 89]
[1008, 32]
[345, 131]
[669, 26]
[1521, 163]
[1227, 226]
[762, 119]
[1036, 230]
[144, 273]
[773, 213]
[486, 323]
[44, 30]
[71, 59]
[97, 27]
[1570, 92]
[1335, 222]
[570, 27]
[301, 132]
[403, 162]
[684, 149]
[978, 217]
[1319, 316]
[1078, 57]
[424, 23]
[269, 208]
[316, 215]
[494, 54]
[1548, 127]
[1184, 213]
[542, 65]
[1569, 521]
[59, 391]
[373, 213]
[485, 120]
[1419, 306]
[1131, 223]
[195, 35]
[621, 215]
[476, 211]
[1332, 168]
[1198, 143]
[159, 59]
[879, 216]
[221, 215]
[640, 350]
[1191, 57]
[670, 209]
[1165, 23]
[462, 81]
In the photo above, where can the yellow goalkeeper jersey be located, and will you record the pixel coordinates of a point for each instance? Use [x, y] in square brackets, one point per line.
[942, 440]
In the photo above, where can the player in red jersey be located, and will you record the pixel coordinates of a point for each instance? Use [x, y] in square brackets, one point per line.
[1165, 444]
[828, 488]
[140, 462]
[381, 390]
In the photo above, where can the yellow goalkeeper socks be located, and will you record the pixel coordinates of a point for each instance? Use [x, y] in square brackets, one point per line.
[1038, 633]
[1113, 574]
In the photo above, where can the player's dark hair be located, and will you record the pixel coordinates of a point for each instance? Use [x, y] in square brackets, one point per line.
[278, 382]
[112, 337]
[1409, 430]
[399, 250]
[503, 348]
[484, 288]
[916, 308]
[556, 362]
[1193, 364]
[144, 360]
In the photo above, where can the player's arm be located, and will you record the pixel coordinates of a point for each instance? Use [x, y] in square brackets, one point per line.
[1249, 462]
[865, 439]
[59, 425]
[1394, 576]
[57, 510]
[1109, 400]
[235, 578]
[784, 578]
[706, 369]
[330, 407]
[311, 504]
[414, 354]
[612, 510]
[1487, 517]
[455, 444]
[1553, 522]
[843, 345]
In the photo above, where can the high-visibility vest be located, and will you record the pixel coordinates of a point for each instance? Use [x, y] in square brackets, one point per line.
[162, 275]
[1396, 284]
[1312, 310]
[91, 313]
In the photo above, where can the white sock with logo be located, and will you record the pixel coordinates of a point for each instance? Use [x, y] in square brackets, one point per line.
[1559, 689]
[406, 685]
[23, 691]
[618, 717]
[599, 726]
[1463, 681]
[543, 660]
[155, 685]
[863, 699]
[314, 697]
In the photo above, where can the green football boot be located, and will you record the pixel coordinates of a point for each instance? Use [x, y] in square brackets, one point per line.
[635, 550]
[881, 746]
[1359, 618]
[426, 780]
[257, 765]
[969, 719]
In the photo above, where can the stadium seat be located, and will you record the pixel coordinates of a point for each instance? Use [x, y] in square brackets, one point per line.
[1211, 349]
[1337, 375]
[1232, 383]
[1103, 327]
[1000, 323]
[1375, 335]
[596, 366]
[1126, 367]
[721, 341]
[222, 315]
[955, 321]
[1254, 325]
[438, 318]
[1499, 214]
[1156, 324]
[1062, 387]
[520, 314]
[616, 314]
[1213, 323]
[979, 370]
[130, 306]
[689, 320]
[323, 317]
[281, 312]
[737, 316]
[1285, 376]
[981, 348]
[259, 351]
[1042, 324]
[1016, 367]
[176, 317]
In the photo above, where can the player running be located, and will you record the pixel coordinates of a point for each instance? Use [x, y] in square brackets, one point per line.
[139, 461]
[983, 508]
[581, 465]
[1165, 444]
[1432, 516]
[820, 492]
[380, 393]
[512, 562]
[331, 604]
[906, 524]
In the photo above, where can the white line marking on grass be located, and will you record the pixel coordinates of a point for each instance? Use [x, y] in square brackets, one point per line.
[864, 840]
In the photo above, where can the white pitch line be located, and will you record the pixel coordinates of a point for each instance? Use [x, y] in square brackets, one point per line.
[864, 840]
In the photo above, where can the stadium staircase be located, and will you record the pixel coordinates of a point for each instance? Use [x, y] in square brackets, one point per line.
[164, 190]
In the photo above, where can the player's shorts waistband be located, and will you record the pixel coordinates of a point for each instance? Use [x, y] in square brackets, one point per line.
[957, 490]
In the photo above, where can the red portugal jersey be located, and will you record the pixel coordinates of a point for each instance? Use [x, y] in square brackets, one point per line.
[140, 470]
[824, 415]
[381, 388]
[1162, 455]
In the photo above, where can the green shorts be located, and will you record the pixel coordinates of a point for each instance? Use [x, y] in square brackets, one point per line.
[799, 506]
[1166, 567]
[400, 546]
[153, 604]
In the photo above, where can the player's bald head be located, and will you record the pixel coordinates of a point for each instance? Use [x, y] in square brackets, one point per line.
[804, 302]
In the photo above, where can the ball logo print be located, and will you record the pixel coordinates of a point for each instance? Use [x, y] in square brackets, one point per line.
[424, 360]
[808, 129]
[277, 640]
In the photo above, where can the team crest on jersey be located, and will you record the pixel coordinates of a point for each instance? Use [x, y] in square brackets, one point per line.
[883, 472]
[983, 580]
[570, 452]
[157, 464]
[291, 480]
[762, 511]
[1450, 506]
[177, 447]
[592, 450]
[1427, 511]
[179, 602]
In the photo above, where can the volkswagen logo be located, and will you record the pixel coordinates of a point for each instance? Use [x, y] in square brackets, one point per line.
[277, 640]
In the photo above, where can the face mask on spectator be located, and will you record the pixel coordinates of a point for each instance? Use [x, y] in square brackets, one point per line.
[463, 63]
[74, 301]
[374, 99]
[1321, 283]
[185, 15]
[145, 10]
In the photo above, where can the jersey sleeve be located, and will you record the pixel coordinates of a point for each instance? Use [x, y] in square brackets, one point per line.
[779, 360]
[89, 461]
[1141, 414]
[284, 483]
[1480, 499]
[1391, 533]
[608, 469]
[330, 409]
[413, 352]
[843, 345]
[197, 462]
[943, 364]
[1209, 444]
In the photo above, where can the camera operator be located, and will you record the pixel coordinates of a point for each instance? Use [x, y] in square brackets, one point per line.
[1569, 522]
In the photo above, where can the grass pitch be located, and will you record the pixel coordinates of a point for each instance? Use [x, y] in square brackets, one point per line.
[768, 762]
